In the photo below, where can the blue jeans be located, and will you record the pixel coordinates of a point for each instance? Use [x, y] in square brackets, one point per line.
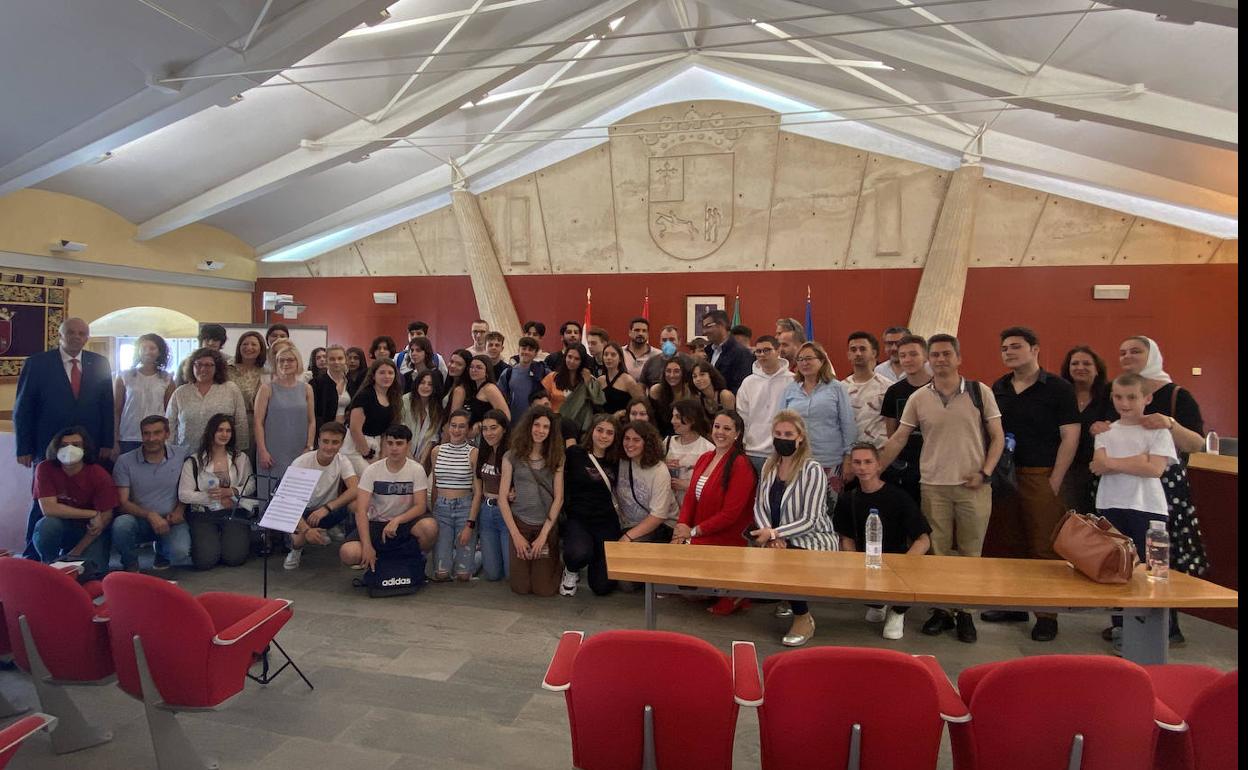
[54, 537]
[452, 517]
[130, 531]
[495, 542]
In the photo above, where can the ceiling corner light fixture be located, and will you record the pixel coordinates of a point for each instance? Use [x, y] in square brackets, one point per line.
[236, 98]
[105, 156]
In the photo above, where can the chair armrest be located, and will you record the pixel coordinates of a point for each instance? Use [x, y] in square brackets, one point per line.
[747, 679]
[1166, 718]
[94, 588]
[952, 709]
[14, 734]
[559, 673]
[261, 615]
[99, 613]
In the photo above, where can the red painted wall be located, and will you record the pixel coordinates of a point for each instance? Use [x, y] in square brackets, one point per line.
[1192, 311]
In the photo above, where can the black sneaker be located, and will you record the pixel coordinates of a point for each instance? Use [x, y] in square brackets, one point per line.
[1177, 639]
[966, 627]
[1045, 630]
[1003, 616]
[940, 622]
[1108, 634]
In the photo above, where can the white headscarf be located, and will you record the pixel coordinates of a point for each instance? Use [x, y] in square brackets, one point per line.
[1152, 368]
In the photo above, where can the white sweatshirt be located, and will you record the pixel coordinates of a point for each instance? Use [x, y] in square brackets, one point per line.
[758, 400]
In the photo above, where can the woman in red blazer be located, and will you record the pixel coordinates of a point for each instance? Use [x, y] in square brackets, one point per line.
[719, 505]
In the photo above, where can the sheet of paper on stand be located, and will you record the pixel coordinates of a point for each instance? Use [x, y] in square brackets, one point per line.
[287, 506]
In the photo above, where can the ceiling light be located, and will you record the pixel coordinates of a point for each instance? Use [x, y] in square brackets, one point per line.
[468, 105]
[378, 19]
[615, 23]
[106, 156]
[236, 98]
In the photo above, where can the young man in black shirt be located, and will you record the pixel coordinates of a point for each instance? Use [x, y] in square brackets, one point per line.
[912, 354]
[905, 529]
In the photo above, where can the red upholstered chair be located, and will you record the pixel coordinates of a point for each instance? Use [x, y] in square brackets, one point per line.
[855, 708]
[1208, 701]
[652, 699]
[12, 736]
[178, 652]
[1081, 712]
[60, 637]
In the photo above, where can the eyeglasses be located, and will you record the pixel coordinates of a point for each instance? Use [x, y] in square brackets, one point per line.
[807, 359]
[763, 351]
[204, 364]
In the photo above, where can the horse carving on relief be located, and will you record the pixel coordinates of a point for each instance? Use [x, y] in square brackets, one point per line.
[667, 222]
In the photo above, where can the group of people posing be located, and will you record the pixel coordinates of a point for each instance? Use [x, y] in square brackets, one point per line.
[522, 469]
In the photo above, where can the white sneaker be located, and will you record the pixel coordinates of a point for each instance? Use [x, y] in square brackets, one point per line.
[292, 558]
[875, 614]
[894, 625]
[567, 587]
[337, 534]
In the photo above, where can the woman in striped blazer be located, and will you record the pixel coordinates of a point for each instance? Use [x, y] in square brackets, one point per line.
[790, 508]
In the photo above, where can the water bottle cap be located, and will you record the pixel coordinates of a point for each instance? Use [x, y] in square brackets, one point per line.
[1157, 525]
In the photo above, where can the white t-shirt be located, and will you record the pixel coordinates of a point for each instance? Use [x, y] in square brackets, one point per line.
[326, 488]
[392, 493]
[1123, 490]
[687, 455]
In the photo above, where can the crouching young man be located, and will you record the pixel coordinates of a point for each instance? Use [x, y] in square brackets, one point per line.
[328, 507]
[391, 503]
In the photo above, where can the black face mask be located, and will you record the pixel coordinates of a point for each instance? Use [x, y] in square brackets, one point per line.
[785, 447]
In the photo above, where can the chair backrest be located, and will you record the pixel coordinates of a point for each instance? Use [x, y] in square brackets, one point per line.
[1214, 723]
[1026, 713]
[814, 697]
[61, 619]
[686, 681]
[175, 630]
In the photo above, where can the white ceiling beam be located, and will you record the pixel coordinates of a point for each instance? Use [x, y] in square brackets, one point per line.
[783, 58]
[500, 96]
[1221, 12]
[1004, 149]
[291, 37]
[879, 85]
[584, 48]
[395, 26]
[369, 215]
[264, 11]
[966, 67]
[428, 60]
[681, 14]
[967, 38]
[414, 112]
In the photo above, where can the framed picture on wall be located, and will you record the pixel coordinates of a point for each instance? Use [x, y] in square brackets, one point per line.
[696, 308]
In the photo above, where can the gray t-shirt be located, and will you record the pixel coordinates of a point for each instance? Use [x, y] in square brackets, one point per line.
[153, 486]
[535, 489]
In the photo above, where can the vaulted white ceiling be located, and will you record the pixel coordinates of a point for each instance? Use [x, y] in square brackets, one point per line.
[343, 129]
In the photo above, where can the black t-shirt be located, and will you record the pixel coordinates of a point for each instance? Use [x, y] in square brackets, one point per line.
[568, 429]
[585, 496]
[376, 417]
[903, 521]
[1036, 417]
[1099, 409]
[894, 404]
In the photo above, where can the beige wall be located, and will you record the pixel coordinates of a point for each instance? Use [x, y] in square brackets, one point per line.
[31, 220]
[786, 202]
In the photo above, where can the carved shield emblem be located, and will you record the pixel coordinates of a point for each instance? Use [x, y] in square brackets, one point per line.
[690, 204]
[6, 330]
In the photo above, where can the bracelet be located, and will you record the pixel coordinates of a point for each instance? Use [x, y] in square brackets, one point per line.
[630, 537]
[472, 523]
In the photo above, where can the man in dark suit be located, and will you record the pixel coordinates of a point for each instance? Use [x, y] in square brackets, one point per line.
[731, 358]
[57, 389]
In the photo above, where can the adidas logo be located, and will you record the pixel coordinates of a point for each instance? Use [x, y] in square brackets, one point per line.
[398, 581]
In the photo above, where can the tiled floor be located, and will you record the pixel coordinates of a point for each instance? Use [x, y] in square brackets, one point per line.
[449, 678]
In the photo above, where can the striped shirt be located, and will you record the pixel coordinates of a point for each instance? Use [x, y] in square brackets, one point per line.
[804, 520]
[453, 468]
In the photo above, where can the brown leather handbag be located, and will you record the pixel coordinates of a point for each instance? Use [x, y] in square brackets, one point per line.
[1092, 546]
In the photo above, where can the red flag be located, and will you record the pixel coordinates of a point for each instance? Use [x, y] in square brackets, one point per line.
[645, 306]
[588, 302]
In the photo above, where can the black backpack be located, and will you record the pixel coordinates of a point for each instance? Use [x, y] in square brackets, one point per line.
[1004, 480]
[400, 571]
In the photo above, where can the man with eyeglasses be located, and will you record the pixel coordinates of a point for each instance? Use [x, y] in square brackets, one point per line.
[731, 358]
[758, 400]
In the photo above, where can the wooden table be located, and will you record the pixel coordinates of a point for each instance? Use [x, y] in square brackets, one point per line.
[943, 581]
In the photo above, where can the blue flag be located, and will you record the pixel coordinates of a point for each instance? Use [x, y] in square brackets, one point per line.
[810, 320]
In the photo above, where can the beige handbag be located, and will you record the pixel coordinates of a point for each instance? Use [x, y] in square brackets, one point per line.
[1092, 546]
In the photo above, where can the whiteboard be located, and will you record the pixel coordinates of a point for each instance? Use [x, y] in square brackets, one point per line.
[306, 338]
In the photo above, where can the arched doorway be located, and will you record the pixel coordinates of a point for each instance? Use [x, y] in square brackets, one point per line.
[113, 334]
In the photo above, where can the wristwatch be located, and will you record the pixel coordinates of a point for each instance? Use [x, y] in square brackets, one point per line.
[1172, 421]
[472, 523]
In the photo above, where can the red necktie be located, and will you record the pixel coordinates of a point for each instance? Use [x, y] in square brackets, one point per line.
[75, 377]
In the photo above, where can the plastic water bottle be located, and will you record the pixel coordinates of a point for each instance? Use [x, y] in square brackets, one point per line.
[1157, 546]
[875, 540]
[1212, 443]
[1010, 442]
[211, 484]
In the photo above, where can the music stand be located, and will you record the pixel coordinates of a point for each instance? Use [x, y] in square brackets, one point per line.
[266, 550]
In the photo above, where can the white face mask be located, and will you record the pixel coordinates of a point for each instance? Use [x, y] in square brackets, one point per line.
[69, 455]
